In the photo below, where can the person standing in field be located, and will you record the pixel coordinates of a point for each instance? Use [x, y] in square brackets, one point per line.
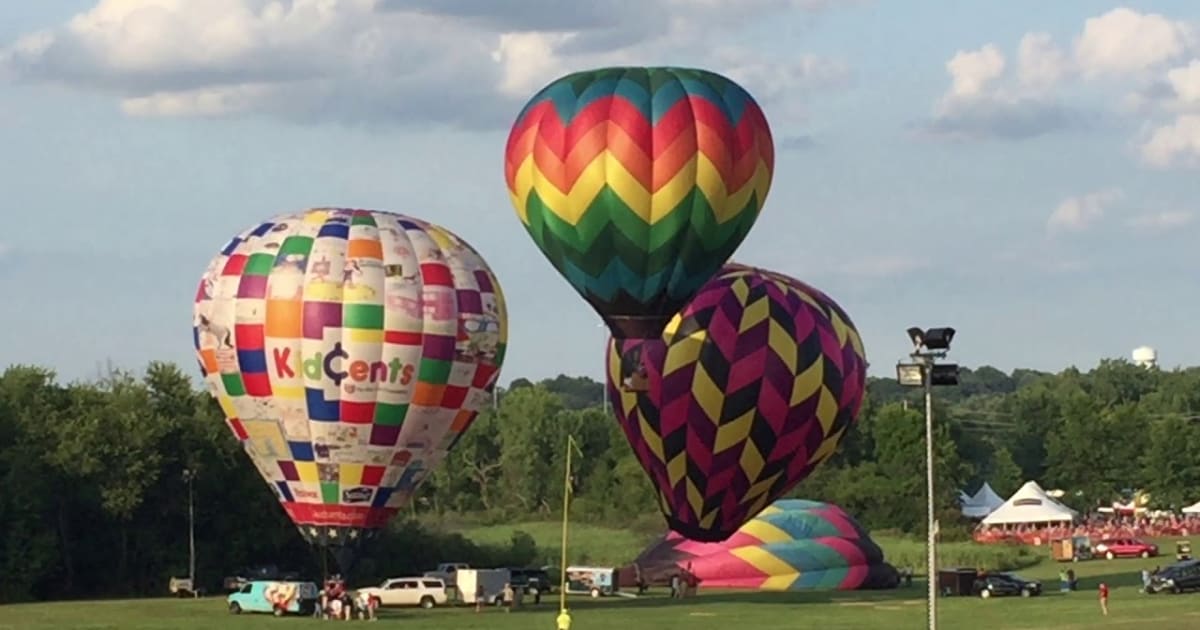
[1104, 598]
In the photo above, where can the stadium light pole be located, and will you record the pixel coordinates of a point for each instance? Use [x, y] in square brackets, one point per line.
[924, 371]
[189, 475]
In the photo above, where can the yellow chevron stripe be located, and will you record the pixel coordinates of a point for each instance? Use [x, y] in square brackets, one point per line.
[606, 168]
[695, 499]
[733, 433]
[653, 442]
[808, 382]
[758, 490]
[707, 395]
[827, 448]
[752, 462]
[764, 531]
[754, 314]
[759, 503]
[682, 351]
[827, 408]
[768, 563]
[676, 469]
[770, 509]
[735, 201]
[523, 185]
[783, 344]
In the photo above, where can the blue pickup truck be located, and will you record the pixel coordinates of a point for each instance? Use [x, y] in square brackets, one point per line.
[276, 597]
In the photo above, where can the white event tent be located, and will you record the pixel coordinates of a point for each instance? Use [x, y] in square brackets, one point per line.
[983, 503]
[1192, 509]
[1030, 504]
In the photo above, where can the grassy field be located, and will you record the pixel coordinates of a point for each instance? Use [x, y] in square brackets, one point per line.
[900, 609]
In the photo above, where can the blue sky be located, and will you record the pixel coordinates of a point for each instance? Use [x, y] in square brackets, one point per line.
[1024, 171]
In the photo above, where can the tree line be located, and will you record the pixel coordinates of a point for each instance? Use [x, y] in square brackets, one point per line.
[94, 499]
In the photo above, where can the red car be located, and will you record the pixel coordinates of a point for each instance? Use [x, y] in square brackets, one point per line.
[1125, 548]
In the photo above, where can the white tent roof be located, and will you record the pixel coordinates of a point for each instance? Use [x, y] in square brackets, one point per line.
[983, 503]
[1030, 504]
[1192, 509]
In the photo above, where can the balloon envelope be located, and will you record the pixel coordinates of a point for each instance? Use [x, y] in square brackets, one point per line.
[791, 545]
[751, 386]
[348, 349]
[638, 184]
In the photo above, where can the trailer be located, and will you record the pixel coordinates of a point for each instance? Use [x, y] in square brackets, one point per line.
[490, 581]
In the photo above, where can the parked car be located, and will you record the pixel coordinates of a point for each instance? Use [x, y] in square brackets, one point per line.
[1006, 584]
[425, 592]
[533, 581]
[276, 597]
[1125, 548]
[1177, 578]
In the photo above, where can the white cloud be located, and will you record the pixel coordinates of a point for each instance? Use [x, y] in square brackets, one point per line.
[1177, 143]
[1040, 63]
[1076, 214]
[979, 105]
[1185, 82]
[1162, 220]
[972, 71]
[1121, 46]
[1124, 41]
[444, 61]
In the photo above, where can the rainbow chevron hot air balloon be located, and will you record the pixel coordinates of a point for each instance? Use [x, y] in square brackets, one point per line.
[349, 350]
[751, 387]
[638, 184]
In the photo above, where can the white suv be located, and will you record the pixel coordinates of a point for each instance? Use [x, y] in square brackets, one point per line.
[413, 591]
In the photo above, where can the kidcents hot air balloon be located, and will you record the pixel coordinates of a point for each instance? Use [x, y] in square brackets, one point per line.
[349, 349]
[638, 184]
[750, 387]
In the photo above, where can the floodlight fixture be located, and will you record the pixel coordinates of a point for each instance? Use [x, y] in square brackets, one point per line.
[943, 374]
[910, 374]
[918, 337]
[939, 338]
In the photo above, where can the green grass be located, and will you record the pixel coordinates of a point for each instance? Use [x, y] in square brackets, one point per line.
[887, 610]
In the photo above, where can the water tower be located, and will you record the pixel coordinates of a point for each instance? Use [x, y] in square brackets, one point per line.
[1145, 356]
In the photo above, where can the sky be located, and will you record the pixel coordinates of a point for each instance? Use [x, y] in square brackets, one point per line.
[1024, 171]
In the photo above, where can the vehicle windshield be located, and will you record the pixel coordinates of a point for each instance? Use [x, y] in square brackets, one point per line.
[1014, 576]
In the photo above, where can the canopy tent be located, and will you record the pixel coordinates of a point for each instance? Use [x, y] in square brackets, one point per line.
[983, 503]
[1192, 509]
[1030, 504]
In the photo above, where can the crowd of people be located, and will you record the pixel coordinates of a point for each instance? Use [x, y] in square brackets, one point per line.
[1094, 526]
[335, 601]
